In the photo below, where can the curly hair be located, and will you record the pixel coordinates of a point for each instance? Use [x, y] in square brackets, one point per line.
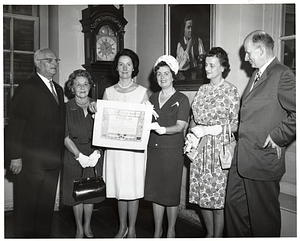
[223, 58]
[79, 73]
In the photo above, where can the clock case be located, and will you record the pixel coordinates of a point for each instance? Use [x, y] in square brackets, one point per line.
[93, 18]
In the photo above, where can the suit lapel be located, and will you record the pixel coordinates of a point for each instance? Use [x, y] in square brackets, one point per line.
[264, 76]
[44, 90]
[247, 91]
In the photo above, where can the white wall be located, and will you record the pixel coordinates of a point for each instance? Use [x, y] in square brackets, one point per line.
[150, 39]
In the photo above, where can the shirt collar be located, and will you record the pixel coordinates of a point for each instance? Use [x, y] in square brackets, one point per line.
[263, 68]
[44, 79]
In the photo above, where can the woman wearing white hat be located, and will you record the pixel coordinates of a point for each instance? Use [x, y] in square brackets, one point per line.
[165, 156]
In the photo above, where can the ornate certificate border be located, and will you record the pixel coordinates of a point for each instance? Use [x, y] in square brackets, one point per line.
[122, 125]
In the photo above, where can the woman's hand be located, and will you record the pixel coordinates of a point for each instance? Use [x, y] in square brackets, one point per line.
[200, 130]
[94, 157]
[159, 129]
[154, 113]
[83, 160]
[93, 107]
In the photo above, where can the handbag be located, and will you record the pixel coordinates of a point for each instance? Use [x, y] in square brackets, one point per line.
[227, 152]
[193, 151]
[90, 187]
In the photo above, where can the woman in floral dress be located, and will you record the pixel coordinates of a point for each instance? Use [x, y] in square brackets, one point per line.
[215, 105]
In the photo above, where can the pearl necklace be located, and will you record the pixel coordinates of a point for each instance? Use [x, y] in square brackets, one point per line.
[125, 87]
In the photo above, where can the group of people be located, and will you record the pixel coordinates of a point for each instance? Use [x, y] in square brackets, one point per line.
[43, 130]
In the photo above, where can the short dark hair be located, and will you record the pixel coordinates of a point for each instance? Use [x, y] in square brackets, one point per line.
[223, 58]
[261, 37]
[134, 58]
[79, 73]
[161, 64]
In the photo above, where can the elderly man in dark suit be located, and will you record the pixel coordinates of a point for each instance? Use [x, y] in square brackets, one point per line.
[267, 125]
[36, 135]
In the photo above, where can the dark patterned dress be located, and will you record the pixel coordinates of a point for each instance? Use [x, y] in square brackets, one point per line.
[79, 129]
[165, 152]
[212, 106]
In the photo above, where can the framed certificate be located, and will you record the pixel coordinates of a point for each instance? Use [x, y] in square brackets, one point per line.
[122, 125]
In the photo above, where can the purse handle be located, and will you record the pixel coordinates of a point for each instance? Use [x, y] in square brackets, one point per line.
[229, 133]
[82, 170]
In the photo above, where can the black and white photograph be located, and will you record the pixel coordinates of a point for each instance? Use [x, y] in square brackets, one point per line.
[149, 120]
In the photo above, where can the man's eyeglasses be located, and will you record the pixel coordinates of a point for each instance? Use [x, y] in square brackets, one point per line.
[50, 60]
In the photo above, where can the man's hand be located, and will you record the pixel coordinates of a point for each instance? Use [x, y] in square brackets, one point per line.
[190, 43]
[270, 142]
[16, 165]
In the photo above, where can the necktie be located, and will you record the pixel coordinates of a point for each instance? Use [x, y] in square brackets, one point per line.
[53, 91]
[257, 77]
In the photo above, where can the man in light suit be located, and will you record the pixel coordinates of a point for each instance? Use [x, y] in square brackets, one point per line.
[36, 135]
[267, 125]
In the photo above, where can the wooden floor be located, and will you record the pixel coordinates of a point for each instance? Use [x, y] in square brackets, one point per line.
[105, 223]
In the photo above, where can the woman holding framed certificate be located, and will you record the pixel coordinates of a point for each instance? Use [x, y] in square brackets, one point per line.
[124, 170]
[165, 146]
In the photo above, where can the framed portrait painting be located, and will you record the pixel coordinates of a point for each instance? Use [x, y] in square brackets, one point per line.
[189, 35]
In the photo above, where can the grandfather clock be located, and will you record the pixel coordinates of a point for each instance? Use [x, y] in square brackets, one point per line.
[103, 28]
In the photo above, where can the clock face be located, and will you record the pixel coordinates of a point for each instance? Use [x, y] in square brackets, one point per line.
[106, 48]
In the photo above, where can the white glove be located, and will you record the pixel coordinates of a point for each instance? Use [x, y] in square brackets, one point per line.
[154, 113]
[83, 160]
[94, 157]
[200, 130]
[159, 129]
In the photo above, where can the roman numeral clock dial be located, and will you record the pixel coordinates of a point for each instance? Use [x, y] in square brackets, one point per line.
[103, 27]
[106, 48]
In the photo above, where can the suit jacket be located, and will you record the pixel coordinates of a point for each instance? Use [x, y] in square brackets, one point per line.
[36, 125]
[270, 108]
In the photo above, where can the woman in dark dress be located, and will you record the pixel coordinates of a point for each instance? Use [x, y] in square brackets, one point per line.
[165, 156]
[79, 150]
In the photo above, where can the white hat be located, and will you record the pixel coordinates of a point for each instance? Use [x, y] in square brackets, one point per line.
[171, 62]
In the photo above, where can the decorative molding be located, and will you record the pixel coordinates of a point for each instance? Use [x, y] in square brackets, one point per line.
[109, 18]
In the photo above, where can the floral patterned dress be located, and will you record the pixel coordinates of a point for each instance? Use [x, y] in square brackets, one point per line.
[212, 106]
